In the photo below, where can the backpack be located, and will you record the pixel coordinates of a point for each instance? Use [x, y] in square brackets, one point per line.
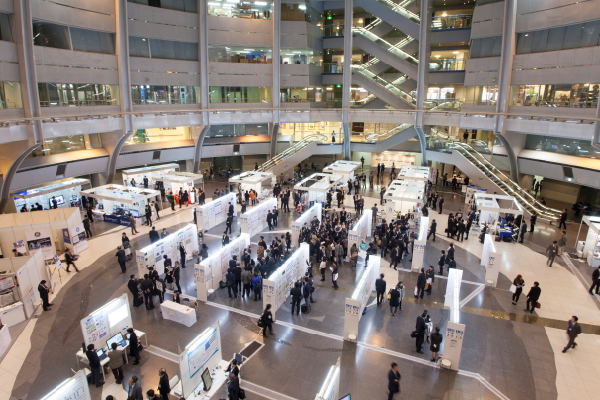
[242, 394]
[222, 285]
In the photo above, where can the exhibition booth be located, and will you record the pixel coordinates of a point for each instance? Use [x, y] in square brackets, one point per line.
[174, 182]
[254, 220]
[405, 198]
[344, 168]
[105, 326]
[152, 256]
[66, 193]
[590, 248]
[493, 210]
[413, 175]
[149, 172]
[114, 203]
[398, 158]
[359, 231]
[41, 231]
[306, 217]
[276, 288]
[212, 270]
[356, 304]
[214, 212]
[317, 185]
[252, 180]
[470, 191]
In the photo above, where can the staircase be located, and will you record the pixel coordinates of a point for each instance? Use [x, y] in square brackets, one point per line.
[293, 155]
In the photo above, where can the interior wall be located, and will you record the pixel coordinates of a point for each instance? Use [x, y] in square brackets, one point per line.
[561, 191]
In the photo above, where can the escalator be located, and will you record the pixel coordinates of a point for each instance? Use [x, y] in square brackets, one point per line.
[293, 155]
[386, 91]
[400, 17]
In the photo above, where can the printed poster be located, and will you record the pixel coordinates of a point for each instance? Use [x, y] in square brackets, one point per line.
[40, 241]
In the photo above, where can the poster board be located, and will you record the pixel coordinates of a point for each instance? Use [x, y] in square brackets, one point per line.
[307, 217]
[214, 212]
[360, 230]
[203, 352]
[470, 192]
[356, 304]
[108, 320]
[418, 254]
[254, 221]
[26, 291]
[152, 255]
[74, 388]
[330, 390]
[40, 240]
[453, 341]
[399, 159]
[277, 288]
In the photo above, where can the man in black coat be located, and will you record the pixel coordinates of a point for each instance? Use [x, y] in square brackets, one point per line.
[533, 296]
[154, 237]
[393, 381]
[164, 388]
[95, 366]
[595, 280]
[132, 285]
[270, 220]
[441, 204]
[147, 288]
[296, 294]
[442, 262]
[86, 226]
[420, 328]
[234, 387]
[230, 211]
[421, 280]
[573, 330]
[44, 291]
[432, 229]
[133, 346]
[228, 223]
[122, 258]
[380, 286]
[237, 273]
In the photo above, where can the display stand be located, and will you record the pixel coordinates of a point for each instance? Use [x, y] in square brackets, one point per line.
[470, 192]
[73, 388]
[455, 331]
[152, 256]
[150, 172]
[413, 175]
[317, 185]
[212, 270]
[214, 212]
[330, 390]
[418, 254]
[306, 217]
[177, 181]
[355, 305]
[491, 262]
[203, 354]
[344, 168]
[360, 230]
[252, 180]
[490, 206]
[66, 194]
[406, 196]
[591, 247]
[254, 220]
[488, 246]
[276, 288]
[185, 315]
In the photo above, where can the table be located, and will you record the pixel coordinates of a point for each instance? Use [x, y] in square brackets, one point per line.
[593, 261]
[219, 377]
[505, 232]
[178, 312]
[80, 355]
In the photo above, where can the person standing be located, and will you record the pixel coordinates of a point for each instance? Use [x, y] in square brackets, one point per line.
[230, 283]
[393, 381]
[442, 262]
[595, 280]
[135, 389]
[267, 320]
[182, 254]
[148, 214]
[551, 252]
[430, 275]
[394, 300]
[420, 330]
[532, 221]
[432, 229]
[436, 341]
[44, 293]
[522, 232]
[133, 346]
[362, 162]
[573, 330]
[296, 294]
[132, 285]
[164, 387]
[563, 219]
[153, 235]
[115, 363]
[562, 242]
[122, 258]
[132, 224]
[270, 220]
[518, 283]
[257, 287]
[334, 275]
[156, 209]
[441, 204]
[533, 296]
[421, 280]
[380, 286]
[94, 364]
[86, 226]
[147, 288]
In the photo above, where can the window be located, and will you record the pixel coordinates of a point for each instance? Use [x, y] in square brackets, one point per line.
[10, 95]
[157, 48]
[70, 38]
[583, 95]
[139, 47]
[179, 5]
[236, 94]
[156, 135]
[256, 10]
[5, 31]
[238, 130]
[77, 94]
[486, 47]
[157, 94]
[559, 38]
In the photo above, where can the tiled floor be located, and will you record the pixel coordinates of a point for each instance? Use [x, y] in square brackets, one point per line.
[522, 361]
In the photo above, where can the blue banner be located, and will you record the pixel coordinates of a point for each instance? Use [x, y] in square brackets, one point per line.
[115, 219]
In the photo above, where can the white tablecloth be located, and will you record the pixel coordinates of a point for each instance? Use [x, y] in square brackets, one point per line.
[178, 313]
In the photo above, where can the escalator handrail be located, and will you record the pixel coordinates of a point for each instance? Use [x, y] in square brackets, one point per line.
[292, 150]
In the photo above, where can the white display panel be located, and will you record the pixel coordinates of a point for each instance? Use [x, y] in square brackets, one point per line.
[254, 221]
[307, 217]
[74, 388]
[330, 390]
[152, 256]
[418, 256]
[360, 230]
[277, 288]
[106, 322]
[215, 212]
[41, 240]
[203, 352]
[356, 304]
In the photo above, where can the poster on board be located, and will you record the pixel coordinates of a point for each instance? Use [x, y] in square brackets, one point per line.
[78, 238]
[20, 247]
[40, 241]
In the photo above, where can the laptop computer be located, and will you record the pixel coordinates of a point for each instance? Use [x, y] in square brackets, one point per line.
[101, 354]
[123, 343]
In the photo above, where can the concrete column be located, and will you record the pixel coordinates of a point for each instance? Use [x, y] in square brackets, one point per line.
[203, 58]
[506, 65]
[347, 76]
[276, 18]
[423, 73]
[596, 138]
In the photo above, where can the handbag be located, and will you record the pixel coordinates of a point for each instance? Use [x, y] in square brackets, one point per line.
[513, 289]
[538, 305]
[416, 291]
[413, 334]
[426, 286]
[242, 394]
[260, 323]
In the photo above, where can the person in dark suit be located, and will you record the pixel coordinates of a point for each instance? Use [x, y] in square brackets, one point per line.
[225, 240]
[44, 291]
[522, 231]
[147, 289]
[452, 263]
[86, 226]
[430, 274]
[135, 389]
[442, 262]
[94, 363]
[533, 296]
[380, 287]
[234, 387]
[432, 229]
[421, 280]
[436, 341]
[133, 346]
[55, 204]
[296, 294]
[230, 210]
[132, 285]
[164, 388]
[176, 277]
[393, 381]
[595, 281]
[122, 258]
[154, 237]
[69, 258]
[420, 328]
[270, 220]
[573, 330]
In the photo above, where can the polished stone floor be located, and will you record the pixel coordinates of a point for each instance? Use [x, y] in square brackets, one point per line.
[507, 353]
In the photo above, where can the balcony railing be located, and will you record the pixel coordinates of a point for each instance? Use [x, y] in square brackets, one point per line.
[78, 103]
[163, 101]
[8, 104]
[333, 68]
[451, 21]
[565, 103]
[447, 64]
[333, 30]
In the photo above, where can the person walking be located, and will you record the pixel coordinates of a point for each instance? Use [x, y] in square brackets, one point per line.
[432, 229]
[153, 234]
[164, 387]
[267, 320]
[135, 389]
[518, 284]
[44, 293]
[573, 330]
[334, 276]
[430, 275]
[551, 252]
[69, 258]
[436, 341]
[115, 363]
[122, 258]
[393, 381]
[86, 226]
[563, 219]
[380, 288]
[94, 364]
[394, 301]
[132, 224]
[562, 242]
[421, 280]
[533, 296]
[595, 281]
[420, 331]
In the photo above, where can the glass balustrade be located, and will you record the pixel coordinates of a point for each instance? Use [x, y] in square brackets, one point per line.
[451, 21]
[333, 30]
[399, 8]
[291, 151]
